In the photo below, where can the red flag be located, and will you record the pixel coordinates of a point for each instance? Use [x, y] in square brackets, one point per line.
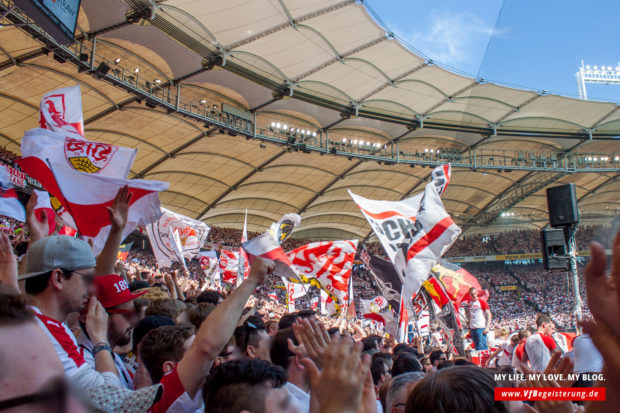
[457, 282]
[403, 320]
[436, 291]
[65, 230]
[244, 265]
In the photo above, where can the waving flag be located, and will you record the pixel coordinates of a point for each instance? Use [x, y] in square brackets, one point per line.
[403, 319]
[327, 266]
[9, 203]
[244, 265]
[265, 246]
[61, 111]
[386, 277]
[393, 222]
[457, 281]
[86, 197]
[177, 247]
[229, 265]
[123, 251]
[379, 310]
[435, 234]
[192, 235]
[282, 230]
[435, 289]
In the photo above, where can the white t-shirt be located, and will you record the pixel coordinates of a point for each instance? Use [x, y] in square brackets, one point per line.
[87, 346]
[299, 398]
[538, 348]
[587, 357]
[475, 311]
[505, 354]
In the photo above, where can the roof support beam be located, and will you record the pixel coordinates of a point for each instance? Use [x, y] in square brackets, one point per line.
[329, 185]
[599, 186]
[240, 182]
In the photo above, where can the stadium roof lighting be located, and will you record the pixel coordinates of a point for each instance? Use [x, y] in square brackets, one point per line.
[278, 125]
[285, 127]
[313, 134]
[136, 70]
[117, 60]
[344, 140]
[203, 101]
[158, 81]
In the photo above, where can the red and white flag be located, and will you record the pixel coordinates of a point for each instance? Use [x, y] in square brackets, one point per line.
[44, 207]
[177, 247]
[61, 111]
[435, 233]
[9, 203]
[265, 246]
[327, 264]
[379, 310]
[208, 262]
[394, 221]
[86, 197]
[244, 265]
[229, 265]
[273, 296]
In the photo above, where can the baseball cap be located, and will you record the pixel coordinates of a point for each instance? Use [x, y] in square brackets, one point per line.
[119, 399]
[113, 290]
[57, 251]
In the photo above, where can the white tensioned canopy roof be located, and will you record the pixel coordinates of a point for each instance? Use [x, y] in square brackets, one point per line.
[318, 65]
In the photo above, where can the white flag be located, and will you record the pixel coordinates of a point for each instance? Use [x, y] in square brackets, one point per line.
[9, 203]
[192, 235]
[61, 111]
[177, 247]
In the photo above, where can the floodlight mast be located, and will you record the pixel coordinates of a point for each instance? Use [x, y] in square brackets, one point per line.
[605, 75]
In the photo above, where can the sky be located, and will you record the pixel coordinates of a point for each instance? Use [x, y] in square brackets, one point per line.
[530, 44]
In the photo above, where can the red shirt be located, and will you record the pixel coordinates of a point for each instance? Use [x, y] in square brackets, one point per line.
[174, 397]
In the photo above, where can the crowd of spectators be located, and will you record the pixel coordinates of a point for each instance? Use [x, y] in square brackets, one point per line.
[8, 156]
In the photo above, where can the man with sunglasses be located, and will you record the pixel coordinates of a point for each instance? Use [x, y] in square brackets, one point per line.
[113, 293]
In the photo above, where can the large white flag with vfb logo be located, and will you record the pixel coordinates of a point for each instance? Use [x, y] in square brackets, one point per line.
[229, 265]
[395, 221]
[192, 236]
[61, 111]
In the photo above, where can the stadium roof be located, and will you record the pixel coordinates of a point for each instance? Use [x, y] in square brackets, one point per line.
[324, 66]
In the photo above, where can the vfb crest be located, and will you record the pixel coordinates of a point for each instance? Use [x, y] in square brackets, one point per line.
[86, 156]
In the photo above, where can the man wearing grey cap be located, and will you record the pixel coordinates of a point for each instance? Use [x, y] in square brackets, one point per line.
[59, 273]
[59, 281]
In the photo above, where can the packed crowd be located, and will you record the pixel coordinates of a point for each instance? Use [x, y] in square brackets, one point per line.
[95, 334]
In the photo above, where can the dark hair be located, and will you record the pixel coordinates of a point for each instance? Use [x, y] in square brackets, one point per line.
[333, 331]
[148, 323]
[256, 320]
[371, 342]
[280, 354]
[542, 319]
[378, 368]
[13, 307]
[306, 313]
[524, 334]
[287, 320]
[198, 313]
[209, 296]
[460, 361]
[435, 355]
[163, 344]
[457, 389]
[405, 362]
[240, 385]
[399, 347]
[444, 364]
[37, 284]
[138, 285]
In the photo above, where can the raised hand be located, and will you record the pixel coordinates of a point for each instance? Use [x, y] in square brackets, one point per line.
[120, 208]
[260, 269]
[340, 385]
[8, 263]
[602, 292]
[96, 321]
[562, 367]
[313, 336]
[38, 228]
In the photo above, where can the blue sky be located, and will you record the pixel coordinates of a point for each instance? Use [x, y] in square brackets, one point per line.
[531, 44]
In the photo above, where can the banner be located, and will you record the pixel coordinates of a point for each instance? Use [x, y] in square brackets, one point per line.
[229, 265]
[435, 289]
[192, 235]
[327, 266]
[61, 111]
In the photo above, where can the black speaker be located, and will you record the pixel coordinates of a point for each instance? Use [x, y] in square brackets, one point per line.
[562, 203]
[555, 250]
